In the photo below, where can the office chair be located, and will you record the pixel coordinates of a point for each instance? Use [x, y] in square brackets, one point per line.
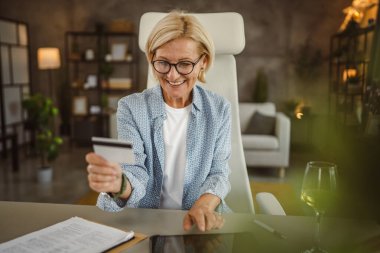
[227, 31]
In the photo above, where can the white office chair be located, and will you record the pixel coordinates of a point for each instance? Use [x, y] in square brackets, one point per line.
[227, 31]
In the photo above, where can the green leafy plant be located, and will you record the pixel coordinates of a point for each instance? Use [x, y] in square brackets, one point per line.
[41, 113]
[260, 92]
[106, 70]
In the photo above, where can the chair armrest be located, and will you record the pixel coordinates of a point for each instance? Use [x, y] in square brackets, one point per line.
[269, 204]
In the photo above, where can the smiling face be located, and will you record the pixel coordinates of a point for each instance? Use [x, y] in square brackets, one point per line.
[176, 87]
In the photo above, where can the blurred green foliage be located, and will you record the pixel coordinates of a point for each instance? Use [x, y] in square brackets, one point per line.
[41, 113]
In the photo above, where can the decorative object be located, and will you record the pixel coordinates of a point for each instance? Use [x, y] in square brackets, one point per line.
[108, 57]
[349, 73]
[119, 51]
[356, 12]
[106, 70]
[260, 93]
[41, 114]
[95, 109]
[89, 55]
[49, 59]
[121, 25]
[296, 108]
[80, 105]
[120, 83]
[91, 82]
[12, 102]
[129, 57]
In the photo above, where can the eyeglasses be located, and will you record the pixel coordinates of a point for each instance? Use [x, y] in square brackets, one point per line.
[182, 67]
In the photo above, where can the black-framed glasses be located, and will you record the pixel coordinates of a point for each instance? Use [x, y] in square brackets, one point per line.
[182, 67]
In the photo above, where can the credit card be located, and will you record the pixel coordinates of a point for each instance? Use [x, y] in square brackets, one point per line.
[114, 150]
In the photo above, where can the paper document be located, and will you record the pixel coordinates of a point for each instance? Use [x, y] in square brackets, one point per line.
[72, 235]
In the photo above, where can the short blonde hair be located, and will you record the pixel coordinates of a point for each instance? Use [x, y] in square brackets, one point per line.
[178, 24]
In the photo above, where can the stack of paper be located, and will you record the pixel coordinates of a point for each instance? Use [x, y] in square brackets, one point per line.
[72, 235]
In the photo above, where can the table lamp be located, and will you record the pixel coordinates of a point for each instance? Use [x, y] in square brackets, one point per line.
[49, 59]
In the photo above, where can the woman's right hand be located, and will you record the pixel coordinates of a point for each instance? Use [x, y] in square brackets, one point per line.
[103, 176]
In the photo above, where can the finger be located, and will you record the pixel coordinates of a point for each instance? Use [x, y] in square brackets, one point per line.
[220, 222]
[187, 222]
[200, 220]
[210, 220]
[100, 178]
[102, 170]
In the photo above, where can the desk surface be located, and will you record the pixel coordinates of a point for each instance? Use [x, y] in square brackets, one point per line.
[18, 218]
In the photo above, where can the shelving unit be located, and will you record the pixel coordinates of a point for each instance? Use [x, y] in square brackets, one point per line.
[348, 66]
[101, 68]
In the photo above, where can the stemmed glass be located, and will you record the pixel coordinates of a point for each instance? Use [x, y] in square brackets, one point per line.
[318, 187]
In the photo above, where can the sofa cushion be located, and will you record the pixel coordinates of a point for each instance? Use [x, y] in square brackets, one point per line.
[261, 124]
[246, 110]
[260, 142]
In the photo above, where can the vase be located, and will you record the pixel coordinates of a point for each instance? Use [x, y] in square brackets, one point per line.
[45, 175]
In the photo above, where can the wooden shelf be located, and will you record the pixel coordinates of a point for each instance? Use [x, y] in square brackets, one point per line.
[78, 70]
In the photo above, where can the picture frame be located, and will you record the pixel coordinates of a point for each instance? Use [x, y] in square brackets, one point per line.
[119, 51]
[80, 106]
[12, 105]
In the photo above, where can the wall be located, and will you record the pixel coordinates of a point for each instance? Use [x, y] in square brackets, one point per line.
[274, 31]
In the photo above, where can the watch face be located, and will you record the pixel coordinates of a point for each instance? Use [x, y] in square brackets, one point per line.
[207, 243]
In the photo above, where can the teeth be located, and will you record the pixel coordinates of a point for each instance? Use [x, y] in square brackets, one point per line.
[176, 83]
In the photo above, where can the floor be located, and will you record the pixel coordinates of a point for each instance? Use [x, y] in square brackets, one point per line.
[356, 158]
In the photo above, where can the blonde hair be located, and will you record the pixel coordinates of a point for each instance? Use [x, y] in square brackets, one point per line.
[178, 24]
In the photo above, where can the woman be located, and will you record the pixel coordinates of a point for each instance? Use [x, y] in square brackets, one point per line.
[180, 133]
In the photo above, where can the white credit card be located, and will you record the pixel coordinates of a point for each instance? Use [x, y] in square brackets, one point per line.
[114, 150]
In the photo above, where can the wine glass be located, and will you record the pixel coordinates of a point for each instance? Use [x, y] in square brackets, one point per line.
[318, 187]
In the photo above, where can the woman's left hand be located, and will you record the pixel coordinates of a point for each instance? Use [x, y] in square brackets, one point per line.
[203, 215]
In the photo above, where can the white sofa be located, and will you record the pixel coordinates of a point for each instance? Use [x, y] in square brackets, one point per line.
[266, 150]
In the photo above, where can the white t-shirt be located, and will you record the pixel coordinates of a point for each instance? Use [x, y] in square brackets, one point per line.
[175, 131]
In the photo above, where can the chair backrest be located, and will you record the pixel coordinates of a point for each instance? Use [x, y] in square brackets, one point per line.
[227, 31]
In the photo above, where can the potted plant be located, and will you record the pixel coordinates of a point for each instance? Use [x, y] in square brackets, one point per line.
[260, 93]
[41, 114]
[106, 70]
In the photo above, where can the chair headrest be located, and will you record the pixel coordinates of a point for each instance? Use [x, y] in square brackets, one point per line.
[225, 28]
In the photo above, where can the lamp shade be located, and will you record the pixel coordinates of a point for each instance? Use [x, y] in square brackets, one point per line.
[48, 58]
